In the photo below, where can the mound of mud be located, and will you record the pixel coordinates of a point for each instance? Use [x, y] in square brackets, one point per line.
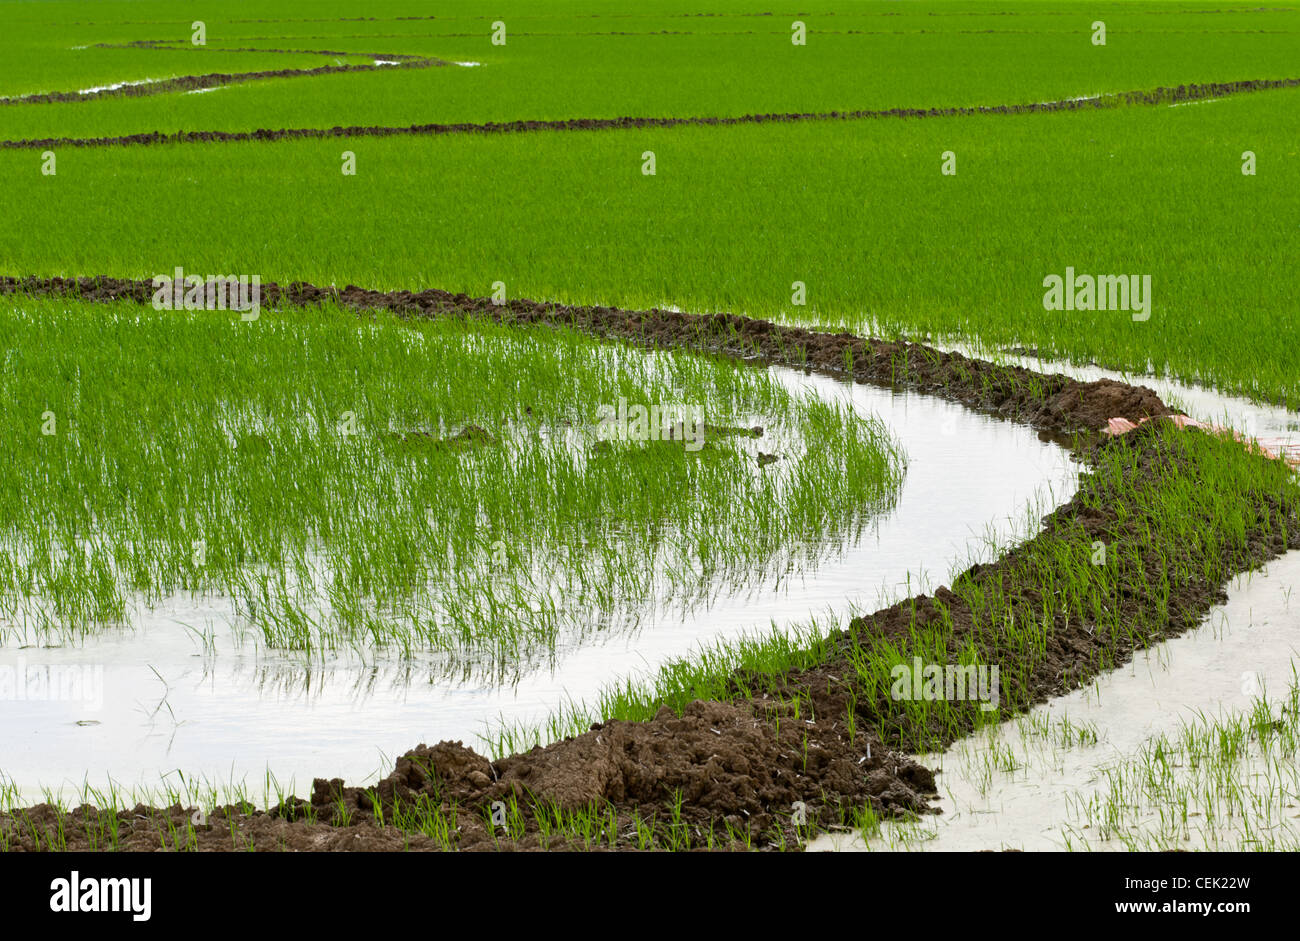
[729, 764]
[752, 773]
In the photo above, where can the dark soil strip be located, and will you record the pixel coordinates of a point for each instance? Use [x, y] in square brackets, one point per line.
[739, 766]
[1154, 96]
[211, 80]
[1054, 404]
[729, 15]
[182, 45]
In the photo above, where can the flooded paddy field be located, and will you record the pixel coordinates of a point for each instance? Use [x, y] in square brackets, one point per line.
[645, 430]
[228, 708]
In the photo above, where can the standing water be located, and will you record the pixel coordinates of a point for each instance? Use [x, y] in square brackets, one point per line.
[157, 699]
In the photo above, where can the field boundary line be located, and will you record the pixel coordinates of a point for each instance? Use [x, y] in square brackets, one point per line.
[144, 87]
[1149, 97]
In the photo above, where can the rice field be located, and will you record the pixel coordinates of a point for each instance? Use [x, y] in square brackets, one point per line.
[486, 510]
[580, 425]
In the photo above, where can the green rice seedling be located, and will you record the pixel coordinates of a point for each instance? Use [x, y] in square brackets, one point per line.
[1222, 782]
[645, 832]
[677, 835]
[866, 822]
[427, 817]
[345, 536]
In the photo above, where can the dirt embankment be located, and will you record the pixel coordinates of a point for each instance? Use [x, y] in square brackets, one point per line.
[746, 768]
[736, 769]
[213, 80]
[1054, 404]
[182, 45]
[1154, 96]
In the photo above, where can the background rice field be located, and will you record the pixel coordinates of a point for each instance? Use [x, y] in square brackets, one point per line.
[858, 211]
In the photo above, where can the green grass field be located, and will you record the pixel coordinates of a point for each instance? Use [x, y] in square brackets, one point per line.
[858, 211]
[601, 60]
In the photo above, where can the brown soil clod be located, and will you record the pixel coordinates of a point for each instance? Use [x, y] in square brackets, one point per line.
[725, 430]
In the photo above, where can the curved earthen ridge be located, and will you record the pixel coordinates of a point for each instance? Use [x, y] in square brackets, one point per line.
[181, 45]
[213, 80]
[1054, 404]
[1155, 96]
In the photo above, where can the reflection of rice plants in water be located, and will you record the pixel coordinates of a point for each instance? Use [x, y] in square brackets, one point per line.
[1220, 783]
[447, 485]
[1225, 780]
[1057, 585]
